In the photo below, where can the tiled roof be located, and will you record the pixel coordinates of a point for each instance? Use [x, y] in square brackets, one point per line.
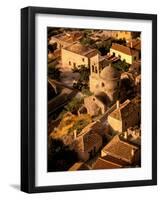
[102, 163]
[124, 110]
[120, 149]
[136, 44]
[123, 49]
[68, 37]
[90, 140]
[81, 49]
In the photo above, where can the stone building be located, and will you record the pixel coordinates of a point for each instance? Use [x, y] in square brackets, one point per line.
[98, 62]
[132, 135]
[63, 40]
[87, 145]
[96, 104]
[106, 80]
[121, 150]
[126, 35]
[75, 55]
[125, 115]
[124, 53]
[107, 162]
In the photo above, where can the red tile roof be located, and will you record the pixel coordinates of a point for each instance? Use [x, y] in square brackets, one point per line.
[124, 110]
[90, 140]
[120, 149]
[78, 48]
[123, 49]
[102, 163]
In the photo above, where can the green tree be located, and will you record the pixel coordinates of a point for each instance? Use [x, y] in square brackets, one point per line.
[86, 41]
[103, 46]
[119, 41]
[84, 73]
[121, 65]
[79, 125]
[84, 77]
[74, 105]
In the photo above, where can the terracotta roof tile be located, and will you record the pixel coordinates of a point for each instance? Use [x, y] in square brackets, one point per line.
[81, 49]
[124, 111]
[90, 140]
[102, 163]
[123, 49]
[120, 149]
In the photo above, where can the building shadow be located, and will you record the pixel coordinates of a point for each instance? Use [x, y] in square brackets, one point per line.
[15, 186]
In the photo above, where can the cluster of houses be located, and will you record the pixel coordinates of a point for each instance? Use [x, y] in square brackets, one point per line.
[113, 138]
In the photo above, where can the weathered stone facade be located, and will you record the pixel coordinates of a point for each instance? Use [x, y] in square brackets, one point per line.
[125, 115]
[106, 81]
[76, 55]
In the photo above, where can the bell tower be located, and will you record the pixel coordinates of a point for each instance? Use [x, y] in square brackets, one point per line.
[94, 65]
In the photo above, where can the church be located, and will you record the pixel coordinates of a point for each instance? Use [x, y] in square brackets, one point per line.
[104, 81]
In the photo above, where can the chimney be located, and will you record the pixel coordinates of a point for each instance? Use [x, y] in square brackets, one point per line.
[125, 135]
[131, 45]
[117, 104]
[75, 134]
[132, 152]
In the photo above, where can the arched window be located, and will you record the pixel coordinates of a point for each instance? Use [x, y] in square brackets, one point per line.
[102, 84]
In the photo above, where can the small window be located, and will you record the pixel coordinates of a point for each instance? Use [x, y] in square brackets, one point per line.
[103, 85]
[92, 68]
[83, 59]
[74, 64]
[69, 62]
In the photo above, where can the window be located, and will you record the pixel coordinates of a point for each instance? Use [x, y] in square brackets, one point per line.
[92, 68]
[83, 59]
[103, 85]
[69, 62]
[113, 53]
[74, 64]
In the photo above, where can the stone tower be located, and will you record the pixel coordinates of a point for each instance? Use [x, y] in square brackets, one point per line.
[106, 80]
